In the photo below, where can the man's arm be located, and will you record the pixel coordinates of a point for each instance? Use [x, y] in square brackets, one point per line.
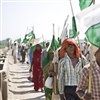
[83, 83]
[61, 79]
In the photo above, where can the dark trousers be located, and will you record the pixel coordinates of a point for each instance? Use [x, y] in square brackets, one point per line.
[70, 93]
[23, 58]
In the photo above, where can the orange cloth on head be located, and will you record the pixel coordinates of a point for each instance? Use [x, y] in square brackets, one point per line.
[65, 45]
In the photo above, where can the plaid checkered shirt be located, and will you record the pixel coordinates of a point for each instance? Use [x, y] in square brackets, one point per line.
[67, 74]
[83, 83]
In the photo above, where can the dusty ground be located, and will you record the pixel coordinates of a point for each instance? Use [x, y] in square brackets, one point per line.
[19, 87]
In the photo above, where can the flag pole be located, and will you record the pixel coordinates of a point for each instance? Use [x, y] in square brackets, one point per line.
[73, 15]
[93, 1]
[33, 29]
[43, 37]
[26, 30]
[54, 65]
[90, 70]
[53, 29]
[43, 40]
[71, 8]
[58, 31]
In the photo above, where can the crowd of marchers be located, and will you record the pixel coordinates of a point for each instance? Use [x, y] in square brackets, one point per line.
[69, 74]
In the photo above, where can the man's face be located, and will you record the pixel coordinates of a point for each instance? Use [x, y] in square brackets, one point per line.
[30, 44]
[47, 44]
[51, 55]
[97, 55]
[70, 49]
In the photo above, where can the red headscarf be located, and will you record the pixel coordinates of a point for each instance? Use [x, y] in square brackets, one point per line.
[37, 56]
[65, 44]
[38, 45]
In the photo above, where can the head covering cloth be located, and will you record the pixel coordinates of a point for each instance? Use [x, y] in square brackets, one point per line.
[65, 45]
[38, 45]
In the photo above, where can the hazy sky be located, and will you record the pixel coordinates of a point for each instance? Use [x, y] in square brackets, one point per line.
[17, 17]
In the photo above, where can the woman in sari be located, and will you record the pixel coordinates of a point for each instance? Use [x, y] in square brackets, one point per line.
[48, 92]
[36, 63]
[48, 70]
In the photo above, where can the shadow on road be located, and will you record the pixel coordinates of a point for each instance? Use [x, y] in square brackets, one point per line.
[18, 72]
[37, 98]
[26, 86]
[11, 74]
[20, 82]
[24, 92]
[21, 78]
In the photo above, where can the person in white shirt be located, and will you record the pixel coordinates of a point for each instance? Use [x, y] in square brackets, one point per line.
[15, 53]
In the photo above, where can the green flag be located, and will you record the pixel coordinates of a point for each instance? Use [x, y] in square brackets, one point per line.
[89, 21]
[43, 44]
[54, 45]
[31, 34]
[93, 35]
[18, 40]
[29, 37]
[59, 40]
[71, 35]
[73, 31]
[25, 40]
[84, 3]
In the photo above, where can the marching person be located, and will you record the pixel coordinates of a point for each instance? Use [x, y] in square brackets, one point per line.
[19, 53]
[23, 54]
[49, 71]
[36, 66]
[30, 53]
[69, 70]
[84, 80]
[44, 52]
[15, 51]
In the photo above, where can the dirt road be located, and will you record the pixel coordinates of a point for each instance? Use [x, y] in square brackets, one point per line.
[19, 87]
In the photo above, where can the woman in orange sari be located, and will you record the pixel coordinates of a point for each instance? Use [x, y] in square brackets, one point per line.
[36, 63]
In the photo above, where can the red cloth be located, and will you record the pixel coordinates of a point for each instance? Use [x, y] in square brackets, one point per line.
[37, 69]
[65, 45]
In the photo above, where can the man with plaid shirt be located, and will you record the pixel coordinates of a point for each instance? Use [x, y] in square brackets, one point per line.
[84, 80]
[69, 70]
